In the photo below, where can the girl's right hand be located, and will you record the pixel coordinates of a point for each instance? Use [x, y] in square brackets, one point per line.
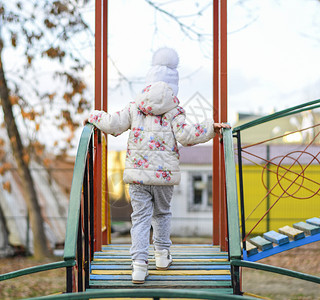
[218, 126]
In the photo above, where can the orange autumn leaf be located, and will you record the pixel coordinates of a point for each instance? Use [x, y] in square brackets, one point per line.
[31, 115]
[47, 162]
[2, 154]
[4, 168]
[26, 158]
[2, 142]
[7, 186]
[67, 97]
[51, 96]
[13, 140]
[14, 99]
[39, 148]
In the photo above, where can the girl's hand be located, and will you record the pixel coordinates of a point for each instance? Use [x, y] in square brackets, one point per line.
[85, 122]
[218, 126]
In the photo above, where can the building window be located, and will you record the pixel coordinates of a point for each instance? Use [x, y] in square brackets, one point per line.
[197, 189]
[201, 192]
[209, 189]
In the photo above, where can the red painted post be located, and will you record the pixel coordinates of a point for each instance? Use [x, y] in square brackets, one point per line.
[107, 230]
[97, 138]
[223, 118]
[216, 117]
[220, 115]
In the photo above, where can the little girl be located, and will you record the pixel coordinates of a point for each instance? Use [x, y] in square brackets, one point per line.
[157, 123]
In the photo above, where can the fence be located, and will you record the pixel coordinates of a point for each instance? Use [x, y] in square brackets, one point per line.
[278, 169]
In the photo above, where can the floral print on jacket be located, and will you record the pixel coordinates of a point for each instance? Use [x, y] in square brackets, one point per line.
[157, 123]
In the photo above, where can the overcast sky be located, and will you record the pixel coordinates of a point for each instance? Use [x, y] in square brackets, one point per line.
[273, 52]
[274, 63]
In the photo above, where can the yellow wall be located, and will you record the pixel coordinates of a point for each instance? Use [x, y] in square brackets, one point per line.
[116, 187]
[288, 210]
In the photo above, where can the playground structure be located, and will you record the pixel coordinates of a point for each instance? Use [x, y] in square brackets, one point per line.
[289, 180]
[96, 268]
[199, 271]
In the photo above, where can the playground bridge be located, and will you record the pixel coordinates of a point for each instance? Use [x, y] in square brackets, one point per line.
[199, 271]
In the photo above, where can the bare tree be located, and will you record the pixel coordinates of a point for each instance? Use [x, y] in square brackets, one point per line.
[44, 32]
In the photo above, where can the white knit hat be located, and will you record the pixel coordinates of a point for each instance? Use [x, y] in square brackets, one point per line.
[164, 68]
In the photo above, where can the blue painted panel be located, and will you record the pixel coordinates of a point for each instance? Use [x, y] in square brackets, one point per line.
[278, 249]
[310, 229]
[252, 251]
[276, 237]
[299, 236]
[314, 221]
[261, 243]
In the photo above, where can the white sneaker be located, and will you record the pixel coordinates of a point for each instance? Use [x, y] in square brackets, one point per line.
[163, 259]
[139, 272]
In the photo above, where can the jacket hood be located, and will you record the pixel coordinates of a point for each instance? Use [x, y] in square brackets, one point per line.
[157, 99]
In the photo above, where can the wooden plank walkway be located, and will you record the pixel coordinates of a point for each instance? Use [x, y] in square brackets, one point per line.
[194, 267]
[300, 234]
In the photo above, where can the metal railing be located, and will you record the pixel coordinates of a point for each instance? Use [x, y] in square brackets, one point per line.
[232, 208]
[79, 241]
[155, 294]
[234, 228]
[284, 172]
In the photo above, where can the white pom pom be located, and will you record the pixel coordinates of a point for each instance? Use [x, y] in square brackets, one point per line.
[165, 57]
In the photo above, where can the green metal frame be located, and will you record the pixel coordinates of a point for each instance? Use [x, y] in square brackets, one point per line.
[75, 194]
[36, 269]
[234, 240]
[144, 293]
[235, 252]
[283, 113]
[232, 196]
[232, 209]
[273, 269]
[73, 213]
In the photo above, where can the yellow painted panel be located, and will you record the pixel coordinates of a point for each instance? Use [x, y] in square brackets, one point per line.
[164, 272]
[103, 183]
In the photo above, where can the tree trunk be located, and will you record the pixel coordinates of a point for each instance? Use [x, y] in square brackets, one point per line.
[39, 239]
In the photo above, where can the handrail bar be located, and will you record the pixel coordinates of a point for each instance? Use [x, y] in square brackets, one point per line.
[75, 194]
[273, 269]
[73, 213]
[232, 196]
[279, 114]
[145, 293]
[36, 269]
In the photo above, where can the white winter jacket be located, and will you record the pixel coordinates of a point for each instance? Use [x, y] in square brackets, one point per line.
[157, 122]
